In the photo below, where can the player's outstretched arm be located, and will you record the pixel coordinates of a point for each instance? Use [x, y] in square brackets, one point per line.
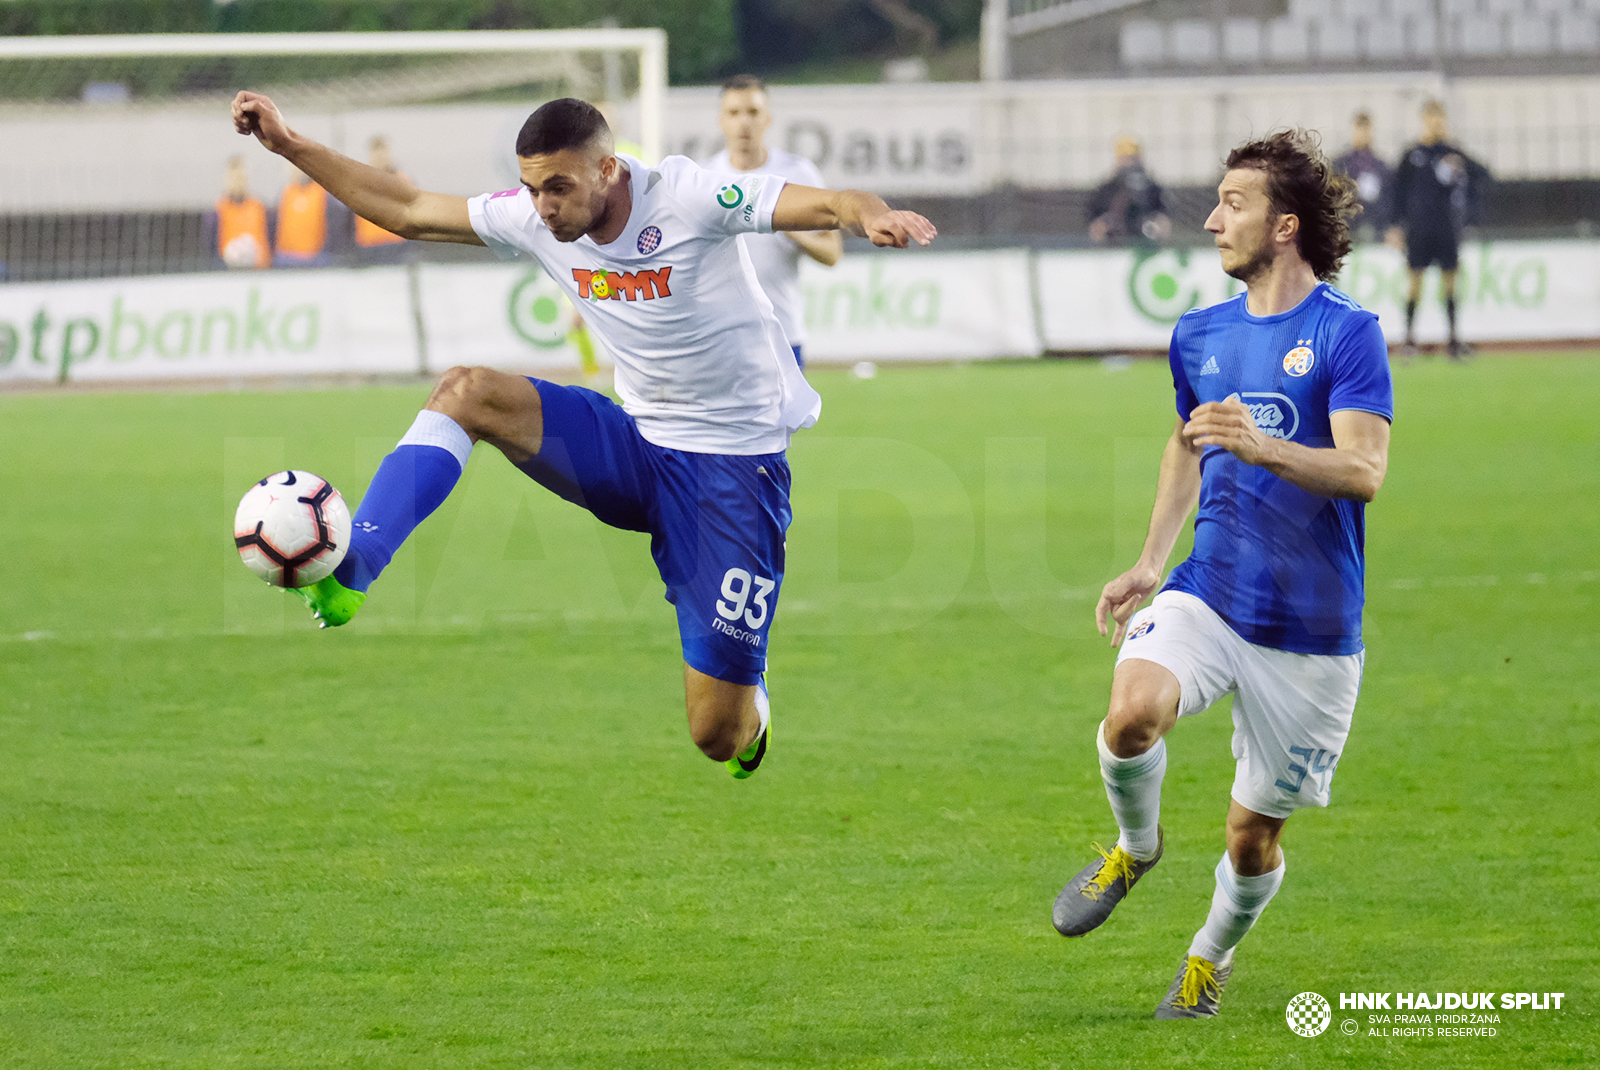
[1177, 492]
[382, 197]
[862, 214]
[1354, 468]
[826, 247]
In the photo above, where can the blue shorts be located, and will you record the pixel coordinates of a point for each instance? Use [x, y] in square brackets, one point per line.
[716, 521]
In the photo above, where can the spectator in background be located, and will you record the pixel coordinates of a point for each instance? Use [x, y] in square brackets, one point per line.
[745, 118]
[374, 245]
[1128, 207]
[1371, 177]
[1437, 192]
[240, 221]
[303, 224]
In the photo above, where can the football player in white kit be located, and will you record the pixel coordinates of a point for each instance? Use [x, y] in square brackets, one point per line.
[695, 454]
[745, 118]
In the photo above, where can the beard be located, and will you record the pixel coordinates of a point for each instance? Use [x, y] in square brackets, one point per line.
[1255, 265]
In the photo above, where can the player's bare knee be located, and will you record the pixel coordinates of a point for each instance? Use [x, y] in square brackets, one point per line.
[1253, 846]
[461, 394]
[1130, 738]
[1136, 720]
[715, 732]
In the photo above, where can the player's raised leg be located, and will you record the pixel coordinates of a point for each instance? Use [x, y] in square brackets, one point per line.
[1133, 763]
[727, 721]
[721, 523]
[467, 405]
[1248, 876]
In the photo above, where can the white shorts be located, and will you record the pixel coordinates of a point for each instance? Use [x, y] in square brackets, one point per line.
[1291, 713]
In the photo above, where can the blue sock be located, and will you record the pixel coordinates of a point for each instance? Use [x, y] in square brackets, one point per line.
[409, 485]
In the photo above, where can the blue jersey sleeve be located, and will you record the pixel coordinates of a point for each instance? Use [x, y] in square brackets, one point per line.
[1188, 400]
[1360, 371]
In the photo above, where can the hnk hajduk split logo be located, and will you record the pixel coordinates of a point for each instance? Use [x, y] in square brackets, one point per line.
[1308, 1014]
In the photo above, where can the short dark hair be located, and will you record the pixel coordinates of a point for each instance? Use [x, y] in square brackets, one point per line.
[743, 81]
[567, 123]
[1301, 182]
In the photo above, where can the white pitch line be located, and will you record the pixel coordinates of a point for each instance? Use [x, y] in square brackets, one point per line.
[1532, 579]
[797, 606]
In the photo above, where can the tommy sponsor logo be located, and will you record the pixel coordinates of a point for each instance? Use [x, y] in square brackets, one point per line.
[601, 284]
[1300, 359]
[649, 239]
[1210, 367]
[1274, 414]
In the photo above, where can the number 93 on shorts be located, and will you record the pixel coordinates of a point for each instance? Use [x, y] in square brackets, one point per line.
[722, 560]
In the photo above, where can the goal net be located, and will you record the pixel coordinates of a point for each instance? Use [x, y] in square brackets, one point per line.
[118, 147]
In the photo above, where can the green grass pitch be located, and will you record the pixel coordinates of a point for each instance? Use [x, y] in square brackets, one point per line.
[469, 830]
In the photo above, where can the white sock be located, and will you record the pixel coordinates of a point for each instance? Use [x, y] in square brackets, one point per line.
[436, 429]
[763, 707]
[1235, 906]
[1133, 786]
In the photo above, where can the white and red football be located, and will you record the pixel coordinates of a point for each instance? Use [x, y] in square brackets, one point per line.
[292, 529]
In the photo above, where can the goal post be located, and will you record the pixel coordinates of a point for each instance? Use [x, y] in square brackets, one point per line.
[650, 46]
[117, 147]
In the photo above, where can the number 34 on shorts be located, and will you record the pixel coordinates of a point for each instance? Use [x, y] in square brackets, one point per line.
[1318, 764]
[744, 598]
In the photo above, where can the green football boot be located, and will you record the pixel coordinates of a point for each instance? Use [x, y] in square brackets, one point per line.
[745, 763]
[331, 602]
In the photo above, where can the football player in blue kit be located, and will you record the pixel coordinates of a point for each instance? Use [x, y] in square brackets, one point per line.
[710, 391]
[1282, 435]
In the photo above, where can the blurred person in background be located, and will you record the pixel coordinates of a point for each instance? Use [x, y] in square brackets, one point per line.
[303, 224]
[240, 221]
[374, 245]
[1128, 207]
[1437, 191]
[1371, 176]
[745, 119]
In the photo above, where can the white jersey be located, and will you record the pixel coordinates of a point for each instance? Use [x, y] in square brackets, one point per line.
[701, 362]
[776, 255]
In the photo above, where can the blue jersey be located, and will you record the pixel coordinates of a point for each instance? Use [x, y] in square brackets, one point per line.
[1284, 567]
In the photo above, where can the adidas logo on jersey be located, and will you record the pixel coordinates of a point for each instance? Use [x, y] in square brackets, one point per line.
[601, 284]
[1210, 367]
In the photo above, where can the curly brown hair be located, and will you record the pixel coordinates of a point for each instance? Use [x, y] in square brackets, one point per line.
[1302, 183]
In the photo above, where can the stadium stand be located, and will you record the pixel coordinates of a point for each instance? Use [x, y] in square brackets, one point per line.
[1074, 38]
[1338, 33]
